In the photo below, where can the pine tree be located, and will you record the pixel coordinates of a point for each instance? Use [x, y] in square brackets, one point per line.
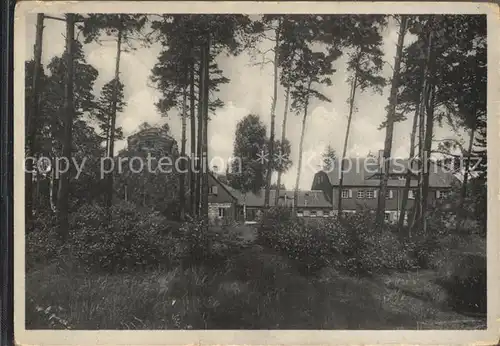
[391, 112]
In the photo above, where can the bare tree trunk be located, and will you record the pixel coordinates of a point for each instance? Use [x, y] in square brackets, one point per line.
[423, 126]
[182, 175]
[53, 191]
[109, 186]
[390, 125]
[463, 192]
[344, 151]
[32, 117]
[63, 193]
[206, 83]
[192, 177]
[419, 204]
[200, 140]
[283, 138]
[409, 174]
[301, 149]
[270, 162]
[429, 124]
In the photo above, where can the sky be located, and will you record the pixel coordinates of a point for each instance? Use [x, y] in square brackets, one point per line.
[249, 91]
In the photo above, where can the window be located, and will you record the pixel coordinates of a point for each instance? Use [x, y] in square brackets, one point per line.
[300, 213]
[361, 194]
[320, 212]
[388, 194]
[387, 216]
[345, 194]
[221, 212]
[411, 194]
[313, 213]
[213, 189]
[442, 194]
[320, 179]
[306, 212]
[370, 194]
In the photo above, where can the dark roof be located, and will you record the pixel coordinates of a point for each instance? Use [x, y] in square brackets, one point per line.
[152, 131]
[305, 198]
[366, 172]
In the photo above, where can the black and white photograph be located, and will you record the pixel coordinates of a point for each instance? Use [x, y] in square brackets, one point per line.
[254, 170]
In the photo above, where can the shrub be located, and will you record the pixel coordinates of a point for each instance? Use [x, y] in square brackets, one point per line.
[41, 245]
[135, 239]
[202, 244]
[349, 245]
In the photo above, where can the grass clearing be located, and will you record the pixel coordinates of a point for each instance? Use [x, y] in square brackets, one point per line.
[255, 289]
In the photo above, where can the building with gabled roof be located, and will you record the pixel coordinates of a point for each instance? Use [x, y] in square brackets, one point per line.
[228, 202]
[361, 183]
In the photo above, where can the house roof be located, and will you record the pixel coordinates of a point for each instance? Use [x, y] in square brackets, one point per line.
[366, 172]
[305, 198]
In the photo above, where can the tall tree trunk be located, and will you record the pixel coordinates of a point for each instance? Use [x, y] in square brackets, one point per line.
[390, 125]
[63, 193]
[301, 149]
[283, 138]
[429, 127]
[32, 124]
[422, 197]
[53, 191]
[463, 190]
[404, 199]
[346, 139]
[200, 139]
[109, 183]
[206, 83]
[270, 162]
[182, 175]
[192, 111]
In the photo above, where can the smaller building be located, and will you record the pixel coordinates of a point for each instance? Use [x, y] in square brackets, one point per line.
[222, 203]
[227, 204]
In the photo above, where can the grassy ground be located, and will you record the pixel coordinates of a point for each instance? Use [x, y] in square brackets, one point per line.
[257, 289]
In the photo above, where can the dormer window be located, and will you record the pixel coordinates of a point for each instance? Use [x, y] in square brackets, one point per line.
[214, 190]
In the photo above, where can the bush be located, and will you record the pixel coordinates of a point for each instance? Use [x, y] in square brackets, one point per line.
[41, 245]
[350, 245]
[202, 244]
[135, 239]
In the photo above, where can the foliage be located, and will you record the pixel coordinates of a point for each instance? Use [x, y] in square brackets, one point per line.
[351, 245]
[206, 245]
[248, 169]
[86, 147]
[40, 245]
[141, 178]
[135, 239]
[329, 157]
[104, 108]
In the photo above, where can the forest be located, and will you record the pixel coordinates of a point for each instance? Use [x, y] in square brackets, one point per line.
[120, 227]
